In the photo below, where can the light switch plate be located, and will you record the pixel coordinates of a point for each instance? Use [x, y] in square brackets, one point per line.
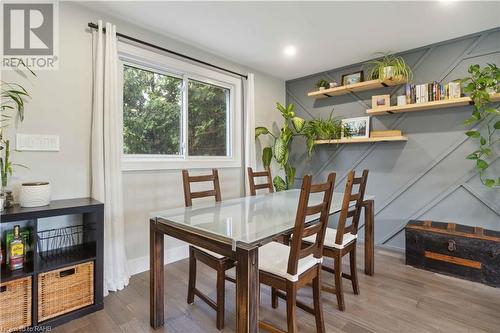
[37, 142]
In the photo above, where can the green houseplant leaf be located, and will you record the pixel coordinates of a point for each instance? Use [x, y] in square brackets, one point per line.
[489, 182]
[260, 131]
[279, 184]
[290, 175]
[298, 124]
[267, 155]
[473, 134]
[280, 150]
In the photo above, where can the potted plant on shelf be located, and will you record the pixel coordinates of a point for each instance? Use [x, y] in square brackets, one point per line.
[389, 67]
[320, 129]
[481, 83]
[322, 84]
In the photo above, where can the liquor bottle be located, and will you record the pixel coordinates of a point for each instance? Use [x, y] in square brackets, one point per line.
[17, 250]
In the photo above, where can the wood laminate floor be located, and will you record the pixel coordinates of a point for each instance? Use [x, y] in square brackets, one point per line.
[398, 298]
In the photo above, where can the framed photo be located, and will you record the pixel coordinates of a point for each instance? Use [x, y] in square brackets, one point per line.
[381, 101]
[358, 127]
[352, 78]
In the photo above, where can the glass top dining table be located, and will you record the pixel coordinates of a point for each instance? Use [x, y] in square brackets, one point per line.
[236, 228]
[247, 220]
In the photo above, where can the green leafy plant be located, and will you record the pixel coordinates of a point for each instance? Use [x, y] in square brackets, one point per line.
[280, 151]
[12, 98]
[481, 83]
[294, 126]
[323, 129]
[6, 166]
[322, 84]
[376, 68]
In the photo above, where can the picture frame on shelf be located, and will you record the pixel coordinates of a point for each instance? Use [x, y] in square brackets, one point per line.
[381, 101]
[352, 78]
[358, 127]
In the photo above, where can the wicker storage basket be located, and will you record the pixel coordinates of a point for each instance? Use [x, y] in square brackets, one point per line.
[15, 304]
[64, 290]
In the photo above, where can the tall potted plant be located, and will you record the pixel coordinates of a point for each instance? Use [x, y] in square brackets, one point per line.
[481, 83]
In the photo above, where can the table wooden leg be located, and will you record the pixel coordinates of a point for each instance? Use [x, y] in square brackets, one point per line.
[247, 290]
[369, 237]
[157, 288]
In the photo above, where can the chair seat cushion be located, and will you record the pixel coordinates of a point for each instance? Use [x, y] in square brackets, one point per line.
[210, 253]
[273, 258]
[330, 239]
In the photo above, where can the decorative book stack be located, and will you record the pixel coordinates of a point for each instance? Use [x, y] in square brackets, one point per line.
[431, 92]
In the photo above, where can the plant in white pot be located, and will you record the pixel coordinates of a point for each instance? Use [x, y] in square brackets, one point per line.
[322, 84]
[389, 67]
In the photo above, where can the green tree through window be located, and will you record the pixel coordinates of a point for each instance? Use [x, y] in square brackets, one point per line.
[152, 113]
[207, 119]
[152, 106]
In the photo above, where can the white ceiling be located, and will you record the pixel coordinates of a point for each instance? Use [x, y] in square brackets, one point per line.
[326, 34]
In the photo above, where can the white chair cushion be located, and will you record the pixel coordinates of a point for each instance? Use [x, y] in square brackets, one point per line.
[273, 258]
[213, 254]
[330, 239]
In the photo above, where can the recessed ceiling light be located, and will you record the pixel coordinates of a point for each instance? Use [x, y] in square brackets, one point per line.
[290, 51]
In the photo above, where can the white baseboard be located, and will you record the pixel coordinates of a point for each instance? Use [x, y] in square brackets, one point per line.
[139, 265]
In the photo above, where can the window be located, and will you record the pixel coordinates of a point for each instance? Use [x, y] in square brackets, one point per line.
[177, 114]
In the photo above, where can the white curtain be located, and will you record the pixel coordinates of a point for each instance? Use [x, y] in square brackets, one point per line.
[249, 127]
[106, 155]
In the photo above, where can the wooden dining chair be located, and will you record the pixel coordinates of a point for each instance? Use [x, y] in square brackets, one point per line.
[260, 174]
[288, 268]
[213, 260]
[342, 241]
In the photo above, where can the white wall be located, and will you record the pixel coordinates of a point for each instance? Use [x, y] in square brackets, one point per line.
[61, 105]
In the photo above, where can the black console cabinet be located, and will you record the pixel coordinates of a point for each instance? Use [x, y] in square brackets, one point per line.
[92, 212]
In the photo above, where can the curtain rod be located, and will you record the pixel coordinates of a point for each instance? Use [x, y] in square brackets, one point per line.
[94, 26]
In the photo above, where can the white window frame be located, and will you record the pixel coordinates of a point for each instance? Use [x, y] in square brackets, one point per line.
[132, 55]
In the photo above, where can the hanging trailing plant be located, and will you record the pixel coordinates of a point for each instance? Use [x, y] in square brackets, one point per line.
[481, 83]
[294, 126]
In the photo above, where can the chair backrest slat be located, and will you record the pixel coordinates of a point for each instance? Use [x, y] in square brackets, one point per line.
[189, 195]
[317, 227]
[351, 212]
[259, 174]
[312, 230]
[206, 178]
[311, 210]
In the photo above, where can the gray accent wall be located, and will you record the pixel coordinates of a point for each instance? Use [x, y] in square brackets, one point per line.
[427, 177]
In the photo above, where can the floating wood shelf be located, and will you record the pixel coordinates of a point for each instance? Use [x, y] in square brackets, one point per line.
[361, 140]
[426, 106]
[365, 85]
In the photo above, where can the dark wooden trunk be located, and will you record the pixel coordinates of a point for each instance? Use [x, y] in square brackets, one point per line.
[466, 252]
